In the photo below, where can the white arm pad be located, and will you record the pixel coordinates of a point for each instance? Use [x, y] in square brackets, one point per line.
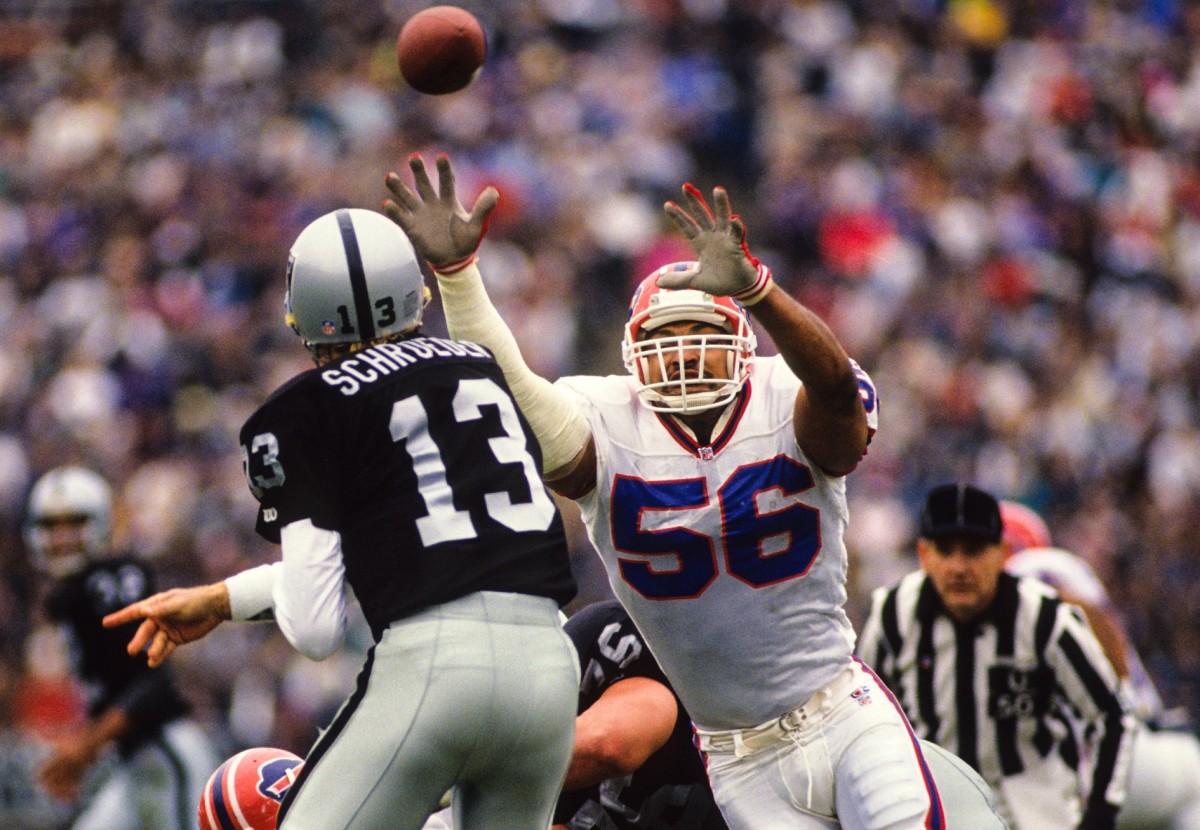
[250, 592]
[310, 595]
[559, 426]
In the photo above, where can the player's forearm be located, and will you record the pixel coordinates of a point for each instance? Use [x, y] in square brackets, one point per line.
[560, 428]
[109, 725]
[1108, 632]
[594, 761]
[809, 347]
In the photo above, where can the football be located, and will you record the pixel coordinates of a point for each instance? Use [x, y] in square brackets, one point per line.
[245, 792]
[441, 49]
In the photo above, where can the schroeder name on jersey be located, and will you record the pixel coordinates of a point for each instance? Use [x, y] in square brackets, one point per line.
[381, 360]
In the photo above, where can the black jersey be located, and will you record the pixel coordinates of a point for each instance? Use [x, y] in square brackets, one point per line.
[415, 453]
[670, 791]
[79, 602]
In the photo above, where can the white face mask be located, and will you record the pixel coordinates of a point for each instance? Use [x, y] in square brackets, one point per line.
[690, 390]
[651, 359]
[61, 550]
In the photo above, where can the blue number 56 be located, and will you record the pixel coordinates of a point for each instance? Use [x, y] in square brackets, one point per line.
[763, 544]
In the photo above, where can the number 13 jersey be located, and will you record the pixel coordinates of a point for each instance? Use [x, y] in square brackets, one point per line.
[728, 557]
[413, 452]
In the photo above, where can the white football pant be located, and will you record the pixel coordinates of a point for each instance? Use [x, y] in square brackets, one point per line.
[478, 695]
[1164, 783]
[846, 759]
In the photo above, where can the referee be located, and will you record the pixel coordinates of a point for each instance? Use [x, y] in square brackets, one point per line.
[1000, 671]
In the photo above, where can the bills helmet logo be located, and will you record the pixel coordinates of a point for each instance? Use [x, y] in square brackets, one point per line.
[245, 792]
[275, 777]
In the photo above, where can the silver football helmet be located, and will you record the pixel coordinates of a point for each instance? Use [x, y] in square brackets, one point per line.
[353, 277]
[68, 493]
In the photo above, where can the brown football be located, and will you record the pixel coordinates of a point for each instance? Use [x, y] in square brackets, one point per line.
[441, 49]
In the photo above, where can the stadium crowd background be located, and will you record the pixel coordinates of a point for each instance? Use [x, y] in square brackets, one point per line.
[995, 204]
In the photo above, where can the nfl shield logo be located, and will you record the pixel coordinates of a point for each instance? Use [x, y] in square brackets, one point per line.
[863, 695]
[328, 327]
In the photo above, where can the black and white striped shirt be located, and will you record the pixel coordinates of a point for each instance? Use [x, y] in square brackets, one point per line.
[1024, 694]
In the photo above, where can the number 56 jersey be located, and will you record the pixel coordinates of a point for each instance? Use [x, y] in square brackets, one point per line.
[415, 454]
[728, 557]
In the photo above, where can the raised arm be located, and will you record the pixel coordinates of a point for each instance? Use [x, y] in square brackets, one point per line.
[447, 236]
[830, 422]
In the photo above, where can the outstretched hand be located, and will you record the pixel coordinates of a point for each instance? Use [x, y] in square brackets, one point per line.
[441, 229]
[172, 618]
[63, 772]
[727, 268]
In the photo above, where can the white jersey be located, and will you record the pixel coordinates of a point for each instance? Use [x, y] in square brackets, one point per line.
[729, 557]
[1070, 574]
[1062, 570]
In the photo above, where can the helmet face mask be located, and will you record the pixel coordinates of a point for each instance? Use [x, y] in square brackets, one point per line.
[353, 277]
[68, 521]
[723, 338]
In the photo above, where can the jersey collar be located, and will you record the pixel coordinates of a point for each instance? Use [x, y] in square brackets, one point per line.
[684, 438]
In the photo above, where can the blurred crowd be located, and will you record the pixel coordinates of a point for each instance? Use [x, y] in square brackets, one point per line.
[995, 203]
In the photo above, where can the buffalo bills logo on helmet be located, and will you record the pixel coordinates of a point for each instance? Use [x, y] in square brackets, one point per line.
[246, 791]
[275, 777]
[633, 303]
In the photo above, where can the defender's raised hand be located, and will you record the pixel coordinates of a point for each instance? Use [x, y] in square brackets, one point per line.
[441, 229]
[727, 268]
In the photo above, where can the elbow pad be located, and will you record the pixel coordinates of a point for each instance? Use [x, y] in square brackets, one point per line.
[310, 592]
[251, 593]
[316, 642]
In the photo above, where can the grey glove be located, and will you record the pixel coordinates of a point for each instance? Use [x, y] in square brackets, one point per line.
[727, 268]
[440, 228]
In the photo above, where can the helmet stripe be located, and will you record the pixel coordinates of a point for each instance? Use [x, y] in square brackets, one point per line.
[220, 811]
[358, 277]
[231, 793]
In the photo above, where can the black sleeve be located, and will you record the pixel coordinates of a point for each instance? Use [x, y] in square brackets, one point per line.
[150, 697]
[287, 458]
[610, 649]
[670, 790]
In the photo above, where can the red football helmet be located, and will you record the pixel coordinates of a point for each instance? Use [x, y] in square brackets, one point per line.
[1023, 527]
[245, 792]
[654, 306]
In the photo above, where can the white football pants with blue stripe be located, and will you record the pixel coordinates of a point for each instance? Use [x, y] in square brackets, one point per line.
[846, 759]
